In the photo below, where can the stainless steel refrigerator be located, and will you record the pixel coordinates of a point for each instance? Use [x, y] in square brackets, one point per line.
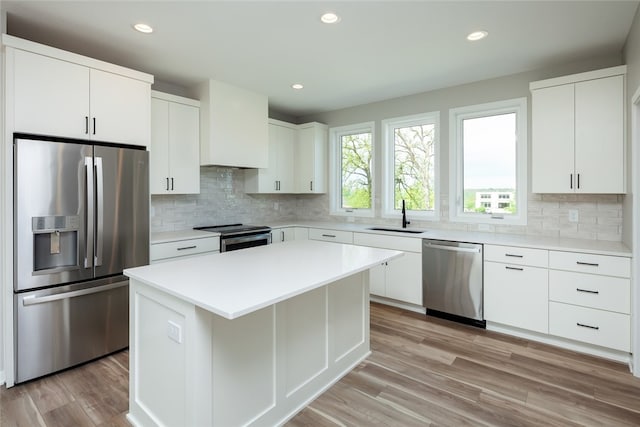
[81, 216]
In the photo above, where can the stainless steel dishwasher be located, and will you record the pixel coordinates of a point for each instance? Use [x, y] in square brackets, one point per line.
[452, 285]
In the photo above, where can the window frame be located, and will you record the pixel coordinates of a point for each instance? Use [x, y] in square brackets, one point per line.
[335, 169]
[388, 166]
[456, 158]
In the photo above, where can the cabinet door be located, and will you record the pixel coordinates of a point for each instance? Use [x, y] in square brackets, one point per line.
[377, 280]
[599, 146]
[159, 148]
[310, 161]
[552, 163]
[120, 109]
[51, 97]
[517, 296]
[404, 278]
[184, 148]
[285, 152]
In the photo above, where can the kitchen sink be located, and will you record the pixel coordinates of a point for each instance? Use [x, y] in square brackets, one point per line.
[396, 230]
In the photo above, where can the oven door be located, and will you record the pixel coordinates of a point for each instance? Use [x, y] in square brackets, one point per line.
[233, 243]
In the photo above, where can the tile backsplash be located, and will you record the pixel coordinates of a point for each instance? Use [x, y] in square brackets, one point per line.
[222, 200]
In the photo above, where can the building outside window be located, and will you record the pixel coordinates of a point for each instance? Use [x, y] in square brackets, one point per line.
[410, 167]
[352, 170]
[488, 162]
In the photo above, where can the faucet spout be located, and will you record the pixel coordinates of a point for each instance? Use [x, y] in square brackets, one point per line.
[404, 215]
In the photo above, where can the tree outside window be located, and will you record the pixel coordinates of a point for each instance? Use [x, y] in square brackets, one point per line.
[414, 167]
[356, 155]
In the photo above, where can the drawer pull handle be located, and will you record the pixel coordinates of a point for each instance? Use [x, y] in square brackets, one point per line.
[587, 291]
[514, 255]
[590, 264]
[588, 326]
[333, 236]
[187, 247]
[514, 268]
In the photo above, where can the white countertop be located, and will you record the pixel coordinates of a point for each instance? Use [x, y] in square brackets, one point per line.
[232, 284]
[599, 247]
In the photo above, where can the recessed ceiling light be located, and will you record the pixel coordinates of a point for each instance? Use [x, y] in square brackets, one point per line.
[477, 35]
[297, 86]
[143, 28]
[330, 18]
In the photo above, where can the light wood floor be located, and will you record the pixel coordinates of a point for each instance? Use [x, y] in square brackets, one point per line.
[422, 372]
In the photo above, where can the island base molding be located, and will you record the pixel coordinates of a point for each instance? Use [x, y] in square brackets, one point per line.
[191, 367]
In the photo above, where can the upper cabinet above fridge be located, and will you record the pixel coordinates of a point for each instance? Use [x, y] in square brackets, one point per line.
[58, 93]
[578, 143]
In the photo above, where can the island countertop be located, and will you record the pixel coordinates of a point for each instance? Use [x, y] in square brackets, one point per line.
[232, 284]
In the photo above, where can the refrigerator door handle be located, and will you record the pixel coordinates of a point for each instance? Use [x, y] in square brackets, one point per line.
[99, 210]
[89, 212]
[33, 299]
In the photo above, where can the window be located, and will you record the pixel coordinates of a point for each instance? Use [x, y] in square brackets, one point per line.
[488, 162]
[352, 170]
[411, 165]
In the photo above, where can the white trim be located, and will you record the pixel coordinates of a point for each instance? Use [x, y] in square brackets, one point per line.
[580, 77]
[635, 239]
[175, 98]
[335, 181]
[456, 192]
[388, 165]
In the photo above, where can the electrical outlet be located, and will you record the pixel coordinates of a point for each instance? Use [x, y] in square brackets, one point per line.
[275, 206]
[573, 215]
[484, 227]
[174, 331]
[350, 219]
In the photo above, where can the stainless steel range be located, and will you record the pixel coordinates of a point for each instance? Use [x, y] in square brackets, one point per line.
[239, 236]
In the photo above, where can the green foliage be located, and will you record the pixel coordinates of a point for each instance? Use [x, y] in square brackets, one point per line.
[414, 167]
[356, 171]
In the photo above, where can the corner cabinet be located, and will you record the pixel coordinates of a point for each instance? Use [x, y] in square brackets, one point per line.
[233, 126]
[297, 160]
[58, 93]
[175, 145]
[578, 143]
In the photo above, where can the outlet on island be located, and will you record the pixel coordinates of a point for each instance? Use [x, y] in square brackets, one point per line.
[174, 331]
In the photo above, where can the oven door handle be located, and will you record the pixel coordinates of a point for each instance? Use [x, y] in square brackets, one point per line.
[242, 239]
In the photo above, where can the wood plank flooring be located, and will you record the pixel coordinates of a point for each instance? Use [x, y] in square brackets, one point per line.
[422, 372]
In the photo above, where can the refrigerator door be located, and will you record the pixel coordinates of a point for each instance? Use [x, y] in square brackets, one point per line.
[61, 327]
[53, 230]
[122, 209]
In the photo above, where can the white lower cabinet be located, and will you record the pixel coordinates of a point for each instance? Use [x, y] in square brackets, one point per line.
[516, 295]
[170, 250]
[337, 236]
[279, 235]
[598, 327]
[399, 279]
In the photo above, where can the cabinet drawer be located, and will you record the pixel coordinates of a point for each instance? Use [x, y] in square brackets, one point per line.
[331, 235]
[407, 244]
[516, 296]
[603, 328]
[184, 247]
[590, 290]
[589, 263]
[515, 255]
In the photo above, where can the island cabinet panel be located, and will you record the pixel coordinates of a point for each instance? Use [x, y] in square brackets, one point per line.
[346, 314]
[243, 367]
[305, 337]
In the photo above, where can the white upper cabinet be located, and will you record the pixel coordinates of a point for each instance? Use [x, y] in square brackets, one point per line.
[311, 158]
[278, 176]
[297, 160]
[233, 126]
[175, 145]
[578, 133]
[57, 93]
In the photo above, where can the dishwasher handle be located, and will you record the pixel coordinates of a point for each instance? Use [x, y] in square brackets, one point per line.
[475, 250]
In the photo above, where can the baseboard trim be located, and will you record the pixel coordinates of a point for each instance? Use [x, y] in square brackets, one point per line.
[398, 304]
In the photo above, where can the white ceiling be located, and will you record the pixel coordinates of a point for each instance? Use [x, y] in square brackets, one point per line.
[379, 50]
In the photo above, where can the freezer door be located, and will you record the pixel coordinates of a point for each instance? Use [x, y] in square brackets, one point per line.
[122, 209]
[61, 327]
[52, 225]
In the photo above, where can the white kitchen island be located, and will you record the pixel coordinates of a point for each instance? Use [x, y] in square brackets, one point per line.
[246, 337]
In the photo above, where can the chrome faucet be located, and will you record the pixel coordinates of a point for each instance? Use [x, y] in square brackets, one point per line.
[404, 216]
